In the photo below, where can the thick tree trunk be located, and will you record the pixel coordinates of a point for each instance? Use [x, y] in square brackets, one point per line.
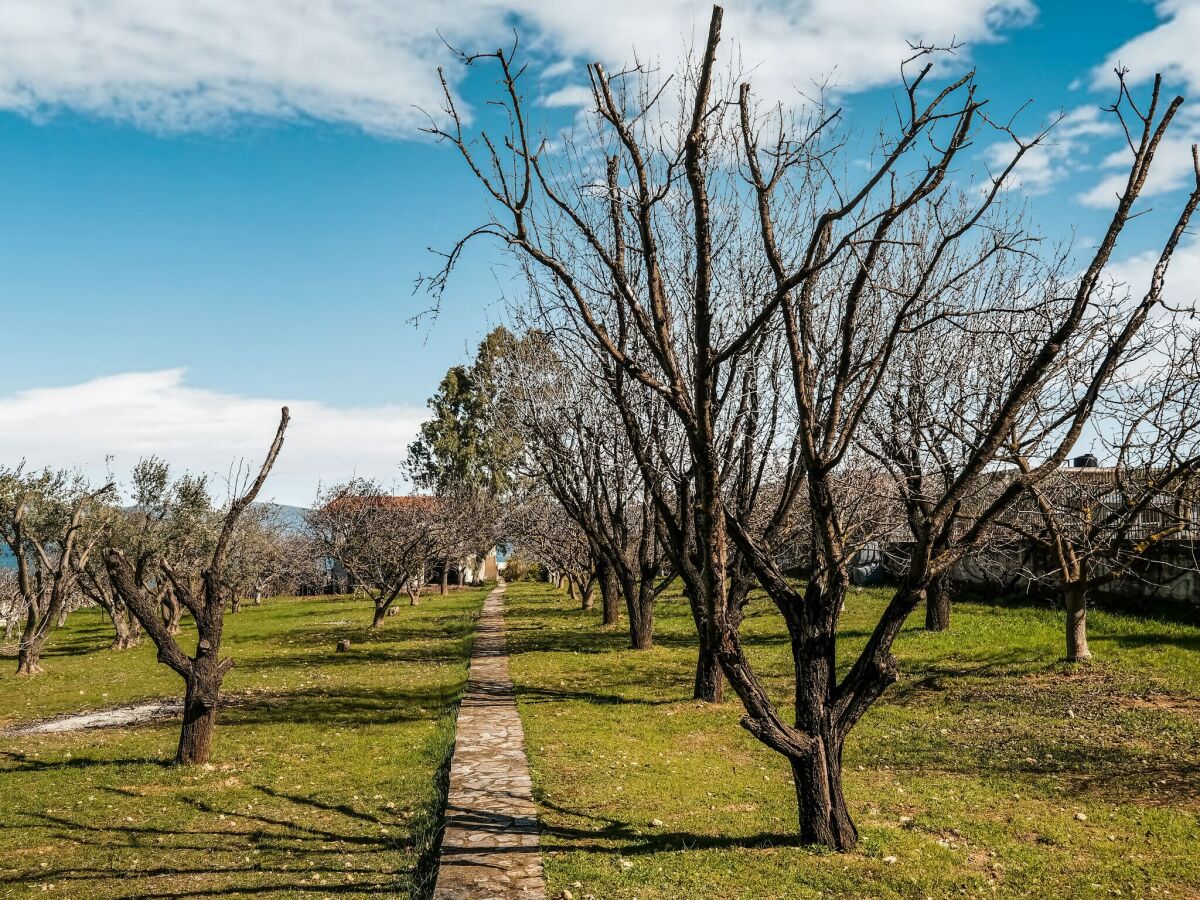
[610, 595]
[380, 615]
[709, 684]
[1077, 642]
[199, 712]
[824, 818]
[235, 603]
[446, 578]
[258, 598]
[587, 594]
[937, 605]
[29, 657]
[641, 619]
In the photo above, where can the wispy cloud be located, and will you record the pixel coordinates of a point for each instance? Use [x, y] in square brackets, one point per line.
[196, 64]
[1058, 156]
[1172, 169]
[1182, 289]
[135, 414]
[1169, 48]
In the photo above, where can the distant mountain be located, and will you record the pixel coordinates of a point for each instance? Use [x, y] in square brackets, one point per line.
[287, 517]
[290, 518]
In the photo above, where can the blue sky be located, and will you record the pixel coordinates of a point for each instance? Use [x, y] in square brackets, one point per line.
[226, 209]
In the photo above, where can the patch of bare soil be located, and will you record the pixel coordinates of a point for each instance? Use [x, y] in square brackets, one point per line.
[115, 717]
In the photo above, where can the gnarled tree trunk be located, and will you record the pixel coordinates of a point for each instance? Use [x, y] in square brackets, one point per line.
[199, 711]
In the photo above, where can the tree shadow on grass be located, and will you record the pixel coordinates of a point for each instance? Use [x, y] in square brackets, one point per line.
[1188, 642]
[617, 837]
[252, 852]
[23, 762]
[539, 694]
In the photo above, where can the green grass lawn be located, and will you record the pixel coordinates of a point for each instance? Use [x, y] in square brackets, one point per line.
[324, 778]
[990, 769]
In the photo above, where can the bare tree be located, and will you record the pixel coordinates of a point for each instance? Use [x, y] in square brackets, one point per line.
[726, 236]
[1099, 526]
[269, 557]
[384, 543]
[205, 670]
[51, 521]
[537, 526]
[575, 444]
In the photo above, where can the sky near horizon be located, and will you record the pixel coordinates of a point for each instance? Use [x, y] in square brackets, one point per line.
[211, 207]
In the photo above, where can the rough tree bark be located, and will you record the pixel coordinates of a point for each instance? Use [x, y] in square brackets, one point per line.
[937, 605]
[610, 594]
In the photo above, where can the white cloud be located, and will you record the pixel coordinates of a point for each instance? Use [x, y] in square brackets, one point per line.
[1169, 48]
[1182, 289]
[141, 413]
[1058, 156]
[1172, 168]
[195, 64]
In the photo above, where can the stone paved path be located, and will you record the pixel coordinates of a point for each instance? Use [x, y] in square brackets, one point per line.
[490, 848]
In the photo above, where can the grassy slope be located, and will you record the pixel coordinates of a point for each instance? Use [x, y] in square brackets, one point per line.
[323, 774]
[988, 747]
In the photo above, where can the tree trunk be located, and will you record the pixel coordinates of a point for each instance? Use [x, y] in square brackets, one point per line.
[1077, 643]
[32, 640]
[937, 605]
[709, 685]
[380, 615]
[199, 712]
[610, 595]
[235, 602]
[587, 593]
[125, 637]
[641, 619]
[824, 818]
[258, 598]
[172, 611]
[446, 578]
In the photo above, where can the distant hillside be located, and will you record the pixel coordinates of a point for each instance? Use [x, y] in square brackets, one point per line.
[288, 517]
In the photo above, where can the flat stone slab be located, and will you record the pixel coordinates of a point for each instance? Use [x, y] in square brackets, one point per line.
[490, 847]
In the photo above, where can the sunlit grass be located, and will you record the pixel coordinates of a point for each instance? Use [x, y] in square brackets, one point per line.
[991, 769]
[324, 774]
